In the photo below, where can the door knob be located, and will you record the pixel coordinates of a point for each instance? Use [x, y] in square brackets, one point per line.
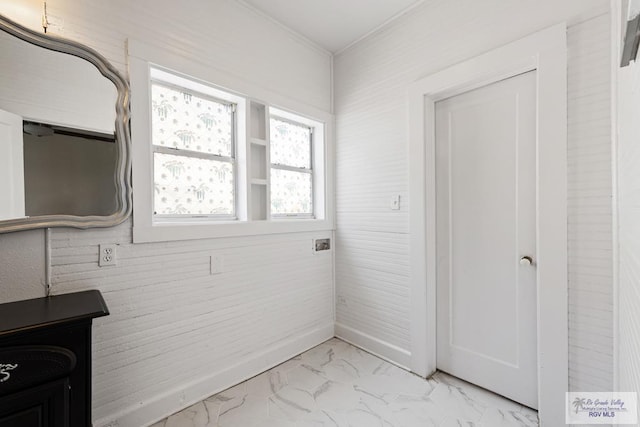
[526, 260]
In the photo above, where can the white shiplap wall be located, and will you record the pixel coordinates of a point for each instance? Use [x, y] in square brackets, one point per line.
[371, 80]
[22, 265]
[223, 34]
[175, 329]
[628, 157]
[176, 333]
[590, 206]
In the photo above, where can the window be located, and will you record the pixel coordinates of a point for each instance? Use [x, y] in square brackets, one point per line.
[193, 140]
[216, 156]
[291, 148]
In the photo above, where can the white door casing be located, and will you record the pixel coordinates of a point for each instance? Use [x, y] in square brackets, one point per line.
[546, 53]
[485, 219]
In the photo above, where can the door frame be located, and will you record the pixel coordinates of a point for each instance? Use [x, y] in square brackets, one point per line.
[546, 53]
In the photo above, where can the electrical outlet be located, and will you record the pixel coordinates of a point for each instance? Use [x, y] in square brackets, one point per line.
[395, 202]
[216, 264]
[107, 256]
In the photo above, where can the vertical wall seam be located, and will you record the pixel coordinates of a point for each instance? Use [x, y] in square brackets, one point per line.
[616, 14]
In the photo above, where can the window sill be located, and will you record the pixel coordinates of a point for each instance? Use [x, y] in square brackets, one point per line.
[173, 231]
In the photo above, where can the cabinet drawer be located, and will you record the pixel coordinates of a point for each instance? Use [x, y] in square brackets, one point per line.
[22, 367]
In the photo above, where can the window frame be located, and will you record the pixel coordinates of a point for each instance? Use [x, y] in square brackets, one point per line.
[310, 171]
[199, 155]
[141, 58]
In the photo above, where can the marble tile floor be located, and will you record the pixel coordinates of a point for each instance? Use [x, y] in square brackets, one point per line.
[338, 385]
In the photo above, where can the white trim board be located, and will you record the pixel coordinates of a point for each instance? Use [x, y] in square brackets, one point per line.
[389, 352]
[146, 413]
[545, 52]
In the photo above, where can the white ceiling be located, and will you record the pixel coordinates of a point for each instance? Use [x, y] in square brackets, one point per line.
[333, 24]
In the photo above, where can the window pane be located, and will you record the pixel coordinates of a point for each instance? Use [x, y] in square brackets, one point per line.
[290, 144]
[290, 192]
[188, 121]
[190, 186]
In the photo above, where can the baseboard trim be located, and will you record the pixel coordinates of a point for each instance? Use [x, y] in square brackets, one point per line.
[147, 413]
[382, 349]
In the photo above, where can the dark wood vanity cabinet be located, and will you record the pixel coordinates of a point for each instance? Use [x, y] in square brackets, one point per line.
[45, 360]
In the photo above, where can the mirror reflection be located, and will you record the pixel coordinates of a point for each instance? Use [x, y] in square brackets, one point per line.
[58, 152]
[68, 171]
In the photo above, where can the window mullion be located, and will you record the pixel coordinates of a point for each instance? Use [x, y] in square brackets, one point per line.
[291, 168]
[193, 154]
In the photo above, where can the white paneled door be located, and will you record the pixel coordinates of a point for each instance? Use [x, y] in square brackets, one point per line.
[11, 166]
[486, 237]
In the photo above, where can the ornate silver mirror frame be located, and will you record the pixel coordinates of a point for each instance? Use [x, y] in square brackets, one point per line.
[122, 173]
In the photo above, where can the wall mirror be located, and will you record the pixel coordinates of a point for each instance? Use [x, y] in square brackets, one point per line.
[64, 134]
